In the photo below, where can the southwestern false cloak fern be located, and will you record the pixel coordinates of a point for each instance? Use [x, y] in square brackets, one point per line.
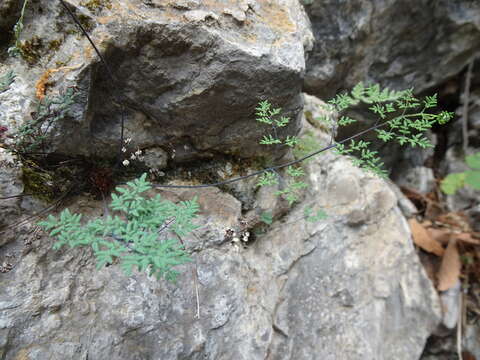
[146, 236]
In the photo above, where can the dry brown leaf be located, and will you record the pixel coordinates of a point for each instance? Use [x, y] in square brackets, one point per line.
[440, 235]
[455, 220]
[467, 238]
[422, 239]
[450, 268]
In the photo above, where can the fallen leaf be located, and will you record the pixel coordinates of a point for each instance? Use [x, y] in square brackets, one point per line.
[467, 238]
[422, 239]
[440, 235]
[450, 268]
[456, 220]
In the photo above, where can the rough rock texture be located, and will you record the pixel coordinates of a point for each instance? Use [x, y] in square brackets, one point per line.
[348, 287]
[9, 13]
[401, 44]
[189, 72]
[10, 185]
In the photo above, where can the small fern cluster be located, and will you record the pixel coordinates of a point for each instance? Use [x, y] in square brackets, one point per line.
[405, 118]
[32, 134]
[16, 49]
[289, 189]
[146, 235]
[268, 115]
[6, 80]
[402, 118]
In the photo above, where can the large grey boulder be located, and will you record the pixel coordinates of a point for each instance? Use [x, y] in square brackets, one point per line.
[346, 287]
[401, 44]
[189, 73]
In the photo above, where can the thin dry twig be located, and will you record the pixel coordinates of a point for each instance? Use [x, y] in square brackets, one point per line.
[197, 297]
[461, 306]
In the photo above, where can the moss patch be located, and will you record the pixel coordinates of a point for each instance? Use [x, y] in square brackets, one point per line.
[30, 50]
[96, 5]
[54, 45]
[50, 178]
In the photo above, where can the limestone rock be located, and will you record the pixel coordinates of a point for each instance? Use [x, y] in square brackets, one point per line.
[190, 73]
[9, 14]
[401, 45]
[10, 186]
[346, 287]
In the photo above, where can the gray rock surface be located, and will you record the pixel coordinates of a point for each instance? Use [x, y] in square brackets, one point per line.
[190, 73]
[10, 185]
[347, 287]
[401, 44]
[419, 178]
[9, 13]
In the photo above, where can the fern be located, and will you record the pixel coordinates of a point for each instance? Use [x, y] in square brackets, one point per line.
[405, 118]
[291, 188]
[145, 236]
[32, 134]
[17, 30]
[6, 80]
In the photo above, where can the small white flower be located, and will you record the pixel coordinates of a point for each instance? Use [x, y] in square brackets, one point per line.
[125, 162]
[124, 149]
[138, 152]
[133, 157]
[127, 140]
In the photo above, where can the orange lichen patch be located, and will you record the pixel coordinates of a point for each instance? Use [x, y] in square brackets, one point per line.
[105, 19]
[42, 83]
[88, 51]
[212, 5]
[250, 37]
[277, 18]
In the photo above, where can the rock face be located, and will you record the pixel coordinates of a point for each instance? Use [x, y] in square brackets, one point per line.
[400, 44]
[10, 185]
[189, 72]
[346, 287]
[9, 13]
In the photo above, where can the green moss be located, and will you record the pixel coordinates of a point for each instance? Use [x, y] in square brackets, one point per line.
[54, 45]
[37, 182]
[86, 22]
[49, 182]
[30, 50]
